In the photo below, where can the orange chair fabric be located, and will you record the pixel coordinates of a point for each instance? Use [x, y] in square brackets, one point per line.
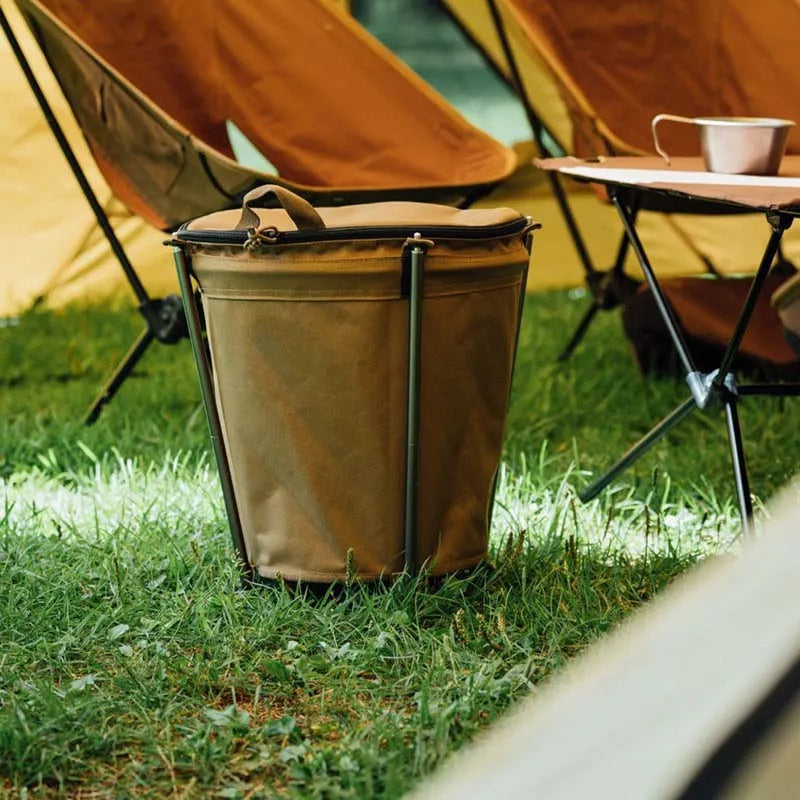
[619, 64]
[153, 85]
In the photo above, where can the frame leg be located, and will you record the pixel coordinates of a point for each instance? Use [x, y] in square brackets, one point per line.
[779, 223]
[580, 331]
[717, 386]
[124, 368]
[195, 329]
[639, 449]
[739, 465]
[629, 223]
[411, 498]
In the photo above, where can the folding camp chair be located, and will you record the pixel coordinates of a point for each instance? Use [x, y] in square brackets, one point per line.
[154, 87]
[614, 68]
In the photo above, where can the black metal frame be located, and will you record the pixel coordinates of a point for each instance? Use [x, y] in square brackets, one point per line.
[164, 319]
[413, 257]
[709, 391]
[194, 322]
[608, 288]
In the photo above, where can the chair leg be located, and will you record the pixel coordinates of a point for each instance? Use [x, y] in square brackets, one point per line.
[124, 368]
[610, 288]
[639, 449]
[580, 331]
[739, 465]
[166, 323]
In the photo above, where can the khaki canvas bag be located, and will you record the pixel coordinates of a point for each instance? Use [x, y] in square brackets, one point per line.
[362, 359]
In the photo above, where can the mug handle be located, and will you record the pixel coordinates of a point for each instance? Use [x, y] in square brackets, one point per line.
[670, 118]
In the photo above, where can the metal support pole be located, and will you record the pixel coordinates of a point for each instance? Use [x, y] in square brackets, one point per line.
[77, 170]
[739, 465]
[639, 449]
[520, 310]
[124, 368]
[579, 332]
[769, 390]
[624, 242]
[410, 505]
[779, 223]
[212, 415]
[658, 295]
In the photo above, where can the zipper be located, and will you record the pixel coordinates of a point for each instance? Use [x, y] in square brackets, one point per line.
[271, 236]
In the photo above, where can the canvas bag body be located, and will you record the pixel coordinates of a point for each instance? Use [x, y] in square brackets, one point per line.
[309, 346]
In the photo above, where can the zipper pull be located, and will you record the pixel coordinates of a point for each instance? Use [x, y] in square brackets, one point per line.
[257, 238]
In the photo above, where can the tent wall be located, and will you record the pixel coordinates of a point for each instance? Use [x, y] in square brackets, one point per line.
[52, 247]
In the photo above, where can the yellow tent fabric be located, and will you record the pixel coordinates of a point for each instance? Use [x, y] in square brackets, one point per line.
[52, 247]
[54, 253]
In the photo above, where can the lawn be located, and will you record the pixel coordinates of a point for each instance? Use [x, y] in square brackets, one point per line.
[132, 663]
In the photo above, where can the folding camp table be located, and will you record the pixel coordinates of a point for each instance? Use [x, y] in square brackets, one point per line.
[630, 181]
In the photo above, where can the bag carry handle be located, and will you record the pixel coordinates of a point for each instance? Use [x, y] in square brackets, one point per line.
[300, 211]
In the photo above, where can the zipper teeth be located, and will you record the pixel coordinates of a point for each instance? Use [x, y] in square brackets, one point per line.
[333, 234]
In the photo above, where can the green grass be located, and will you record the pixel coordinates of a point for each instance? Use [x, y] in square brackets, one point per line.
[132, 664]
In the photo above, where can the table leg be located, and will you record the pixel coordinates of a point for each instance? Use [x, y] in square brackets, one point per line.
[739, 465]
[779, 223]
[639, 449]
[708, 391]
[664, 308]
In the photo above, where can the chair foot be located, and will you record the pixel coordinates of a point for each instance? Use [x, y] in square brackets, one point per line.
[124, 368]
[580, 331]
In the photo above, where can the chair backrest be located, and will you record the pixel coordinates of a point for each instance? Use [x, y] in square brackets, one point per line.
[620, 64]
[153, 85]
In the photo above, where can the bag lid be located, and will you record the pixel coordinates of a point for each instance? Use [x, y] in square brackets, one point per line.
[297, 216]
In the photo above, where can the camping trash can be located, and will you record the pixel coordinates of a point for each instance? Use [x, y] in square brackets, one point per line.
[360, 368]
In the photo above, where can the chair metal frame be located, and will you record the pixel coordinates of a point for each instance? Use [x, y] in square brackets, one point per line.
[611, 287]
[164, 320]
[608, 288]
